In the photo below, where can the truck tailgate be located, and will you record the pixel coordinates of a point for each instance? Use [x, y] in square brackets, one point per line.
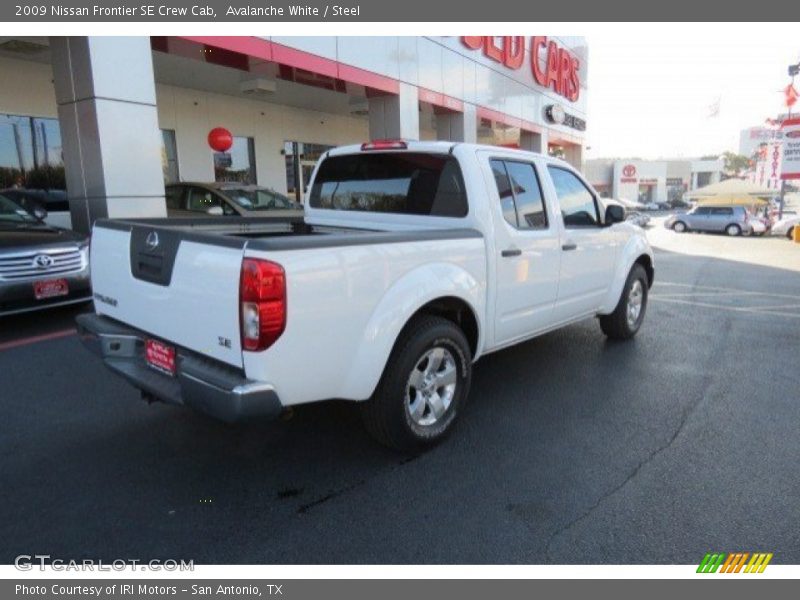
[179, 287]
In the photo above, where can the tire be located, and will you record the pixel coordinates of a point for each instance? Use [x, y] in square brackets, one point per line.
[733, 230]
[679, 227]
[393, 415]
[617, 325]
[790, 233]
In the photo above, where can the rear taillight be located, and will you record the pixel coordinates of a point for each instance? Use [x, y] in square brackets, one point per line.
[384, 145]
[262, 303]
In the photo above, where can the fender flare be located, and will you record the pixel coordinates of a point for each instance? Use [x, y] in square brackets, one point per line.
[401, 301]
[635, 248]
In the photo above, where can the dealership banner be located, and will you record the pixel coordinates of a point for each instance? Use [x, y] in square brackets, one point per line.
[790, 164]
[479, 11]
[731, 588]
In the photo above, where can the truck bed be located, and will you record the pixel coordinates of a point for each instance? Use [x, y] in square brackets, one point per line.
[275, 233]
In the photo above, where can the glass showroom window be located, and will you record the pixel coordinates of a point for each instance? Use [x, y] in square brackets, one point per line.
[237, 164]
[169, 156]
[30, 153]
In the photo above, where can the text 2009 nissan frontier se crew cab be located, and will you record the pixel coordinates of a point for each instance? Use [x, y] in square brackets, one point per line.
[413, 260]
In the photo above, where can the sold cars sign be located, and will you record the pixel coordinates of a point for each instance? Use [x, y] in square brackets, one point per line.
[790, 165]
[552, 66]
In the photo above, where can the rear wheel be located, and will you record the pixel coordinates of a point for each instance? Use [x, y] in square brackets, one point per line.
[625, 321]
[424, 386]
[733, 230]
[679, 227]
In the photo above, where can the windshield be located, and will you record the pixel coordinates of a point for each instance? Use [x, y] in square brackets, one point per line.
[258, 199]
[11, 212]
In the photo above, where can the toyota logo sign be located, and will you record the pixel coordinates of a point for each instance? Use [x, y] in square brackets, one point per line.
[43, 261]
[629, 170]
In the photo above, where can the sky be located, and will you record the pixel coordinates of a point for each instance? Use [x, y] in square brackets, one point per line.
[651, 93]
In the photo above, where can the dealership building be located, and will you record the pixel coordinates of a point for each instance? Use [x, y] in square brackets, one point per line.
[649, 181]
[113, 119]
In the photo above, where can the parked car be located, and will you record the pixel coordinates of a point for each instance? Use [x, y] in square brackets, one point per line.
[630, 204]
[413, 260]
[732, 220]
[193, 199]
[758, 225]
[785, 226]
[678, 203]
[774, 213]
[54, 203]
[637, 218]
[41, 266]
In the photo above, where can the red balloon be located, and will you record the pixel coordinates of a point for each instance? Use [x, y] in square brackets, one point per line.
[220, 139]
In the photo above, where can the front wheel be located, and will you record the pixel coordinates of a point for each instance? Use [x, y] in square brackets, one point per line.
[625, 321]
[679, 227]
[424, 386]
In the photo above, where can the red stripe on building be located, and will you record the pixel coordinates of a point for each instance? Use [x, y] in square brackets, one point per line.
[494, 115]
[440, 100]
[368, 78]
[251, 46]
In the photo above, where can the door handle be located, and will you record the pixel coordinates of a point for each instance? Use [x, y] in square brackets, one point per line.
[569, 246]
[511, 252]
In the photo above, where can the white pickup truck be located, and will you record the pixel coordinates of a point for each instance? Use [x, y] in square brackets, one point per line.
[413, 260]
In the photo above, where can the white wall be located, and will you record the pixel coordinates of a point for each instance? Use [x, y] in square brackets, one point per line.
[192, 114]
[645, 171]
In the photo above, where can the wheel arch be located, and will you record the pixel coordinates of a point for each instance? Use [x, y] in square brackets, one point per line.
[635, 251]
[440, 289]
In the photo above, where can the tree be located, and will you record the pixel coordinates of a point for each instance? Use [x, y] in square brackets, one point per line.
[735, 164]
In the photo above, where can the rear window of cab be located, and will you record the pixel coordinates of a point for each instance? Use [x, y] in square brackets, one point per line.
[408, 183]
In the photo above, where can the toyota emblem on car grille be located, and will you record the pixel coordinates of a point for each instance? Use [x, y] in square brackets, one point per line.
[152, 240]
[42, 261]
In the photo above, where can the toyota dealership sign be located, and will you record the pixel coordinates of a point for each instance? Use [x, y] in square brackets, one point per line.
[790, 165]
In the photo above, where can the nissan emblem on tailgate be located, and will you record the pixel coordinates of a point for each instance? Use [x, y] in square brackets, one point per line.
[152, 240]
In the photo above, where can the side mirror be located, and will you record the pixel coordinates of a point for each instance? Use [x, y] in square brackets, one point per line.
[215, 211]
[614, 214]
[40, 213]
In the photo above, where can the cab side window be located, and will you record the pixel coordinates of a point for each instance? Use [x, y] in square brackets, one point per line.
[578, 205]
[520, 194]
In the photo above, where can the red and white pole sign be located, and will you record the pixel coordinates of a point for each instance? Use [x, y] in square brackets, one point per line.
[790, 133]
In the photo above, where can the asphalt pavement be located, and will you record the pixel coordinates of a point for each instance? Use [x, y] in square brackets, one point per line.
[572, 449]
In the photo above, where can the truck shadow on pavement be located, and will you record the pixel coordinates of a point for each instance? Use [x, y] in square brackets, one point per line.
[571, 449]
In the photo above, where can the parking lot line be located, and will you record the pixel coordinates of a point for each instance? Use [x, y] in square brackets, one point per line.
[37, 338]
[759, 310]
[731, 291]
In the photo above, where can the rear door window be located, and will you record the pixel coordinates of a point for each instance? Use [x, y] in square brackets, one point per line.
[410, 183]
[520, 194]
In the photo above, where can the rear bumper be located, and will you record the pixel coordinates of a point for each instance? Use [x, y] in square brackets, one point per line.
[206, 385]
